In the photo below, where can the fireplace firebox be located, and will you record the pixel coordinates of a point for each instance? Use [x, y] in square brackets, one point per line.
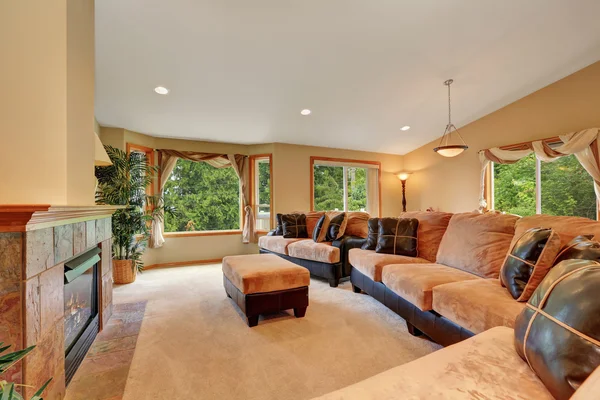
[81, 308]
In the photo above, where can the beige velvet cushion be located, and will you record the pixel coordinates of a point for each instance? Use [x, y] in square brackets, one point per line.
[276, 244]
[311, 250]
[414, 282]
[477, 243]
[477, 305]
[357, 224]
[566, 227]
[484, 367]
[590, 388]
[432, 226]
[261, 273]
[371, 264]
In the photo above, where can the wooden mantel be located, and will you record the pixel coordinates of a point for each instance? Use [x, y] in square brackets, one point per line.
[28, 217]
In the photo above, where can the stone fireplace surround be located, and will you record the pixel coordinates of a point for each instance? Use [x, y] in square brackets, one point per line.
[35, 241]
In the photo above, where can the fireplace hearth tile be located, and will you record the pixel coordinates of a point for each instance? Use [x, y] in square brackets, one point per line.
[52, 297]
[107, 228]
[108, 346]
[106, 257]
[33, 316]
[90, 233]
[63, 243]
[10, 323]
[100, 230]
[11, 257]
[79, 238]
[39, 251]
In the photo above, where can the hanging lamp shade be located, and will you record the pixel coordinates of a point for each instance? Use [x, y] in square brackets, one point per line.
[447, 148]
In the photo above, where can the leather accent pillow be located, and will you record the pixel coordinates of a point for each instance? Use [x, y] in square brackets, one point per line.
[581, 248]
[373, 234]
[279, 227]
[294, 226]
[320, 231]
[558, 332]
[398, 236]
[337, 225]
[528, 262]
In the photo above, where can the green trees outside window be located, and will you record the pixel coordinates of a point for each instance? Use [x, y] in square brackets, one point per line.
[565, 188]
[204, 198]
[329, 188]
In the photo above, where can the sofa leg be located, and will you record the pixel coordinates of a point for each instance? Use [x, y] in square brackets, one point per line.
[356, 289]
[334, 282]
[300, 312]
[412, 330]
[252, 321]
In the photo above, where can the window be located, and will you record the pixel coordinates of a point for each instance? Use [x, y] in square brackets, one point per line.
[204, 198]
[260, 176]
[345, 185]
[529, 187]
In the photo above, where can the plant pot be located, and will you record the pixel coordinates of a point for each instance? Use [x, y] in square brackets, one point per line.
[123, 271]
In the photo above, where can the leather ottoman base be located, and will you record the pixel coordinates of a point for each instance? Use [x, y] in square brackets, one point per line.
[252, 305]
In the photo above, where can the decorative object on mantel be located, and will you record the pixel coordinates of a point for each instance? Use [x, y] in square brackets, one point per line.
[7, 389]
[124, 183]
[445, 148]
[403, 176]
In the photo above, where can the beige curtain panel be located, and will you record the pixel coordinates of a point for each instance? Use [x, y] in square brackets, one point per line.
[583, 144]
[168, 160]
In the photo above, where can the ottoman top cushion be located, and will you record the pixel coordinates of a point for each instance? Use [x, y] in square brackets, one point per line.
[263, 273]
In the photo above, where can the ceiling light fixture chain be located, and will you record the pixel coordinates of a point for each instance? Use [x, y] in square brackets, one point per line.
[445, 149]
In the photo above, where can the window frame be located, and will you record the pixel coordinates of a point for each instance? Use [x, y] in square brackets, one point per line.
[314, 160]
[489, 177]
[252, 159]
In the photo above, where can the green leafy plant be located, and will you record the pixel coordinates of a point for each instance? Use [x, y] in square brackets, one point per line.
[8, 390]
[124, 183]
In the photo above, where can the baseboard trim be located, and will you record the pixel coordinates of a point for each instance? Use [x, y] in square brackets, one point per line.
[183, 263]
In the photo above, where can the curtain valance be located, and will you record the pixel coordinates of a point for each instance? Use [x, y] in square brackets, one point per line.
[583, 144]
[168, 159]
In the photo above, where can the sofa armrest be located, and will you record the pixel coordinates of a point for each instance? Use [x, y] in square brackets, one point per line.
[345, 243]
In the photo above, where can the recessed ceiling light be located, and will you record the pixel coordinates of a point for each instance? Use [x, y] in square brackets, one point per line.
[161, 90]
[405, 128]
[306, 111]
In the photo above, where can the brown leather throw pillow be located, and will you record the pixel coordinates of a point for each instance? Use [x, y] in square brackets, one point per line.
[294, 226]
[558, 333]
[320, 231]
[528, 262]
[337, 225]
[373, 234]
[279, 227]
[398, 236]
[581, 248]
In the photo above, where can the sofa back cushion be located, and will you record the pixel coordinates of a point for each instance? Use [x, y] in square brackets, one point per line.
[477, 243]
[432, 226]
[566, 227]
[398, 236]
[357, 224]
[311, 220]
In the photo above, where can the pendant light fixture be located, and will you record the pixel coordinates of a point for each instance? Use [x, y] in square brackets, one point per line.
[445, 148]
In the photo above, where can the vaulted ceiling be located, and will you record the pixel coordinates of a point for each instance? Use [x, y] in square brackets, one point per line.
[241, 71]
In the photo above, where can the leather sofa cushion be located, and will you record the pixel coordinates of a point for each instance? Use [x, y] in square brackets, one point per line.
[566, 227]
[262, 273]
[294, 226]
[580, 248]
[558, 334]
[476, 305]
[357, 224]
[313, 251]
[371, 263]
[590, 388]
[276, 244]
[432, 226]
[372, 234]
[414, 282]
[398, 236]
[477, 243]
[528, 262]
[279, 227]
[482, 367]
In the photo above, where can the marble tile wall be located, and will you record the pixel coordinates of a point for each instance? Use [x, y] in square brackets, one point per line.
[31, 296]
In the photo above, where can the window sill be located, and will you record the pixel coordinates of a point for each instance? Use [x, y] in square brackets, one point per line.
[202, 233]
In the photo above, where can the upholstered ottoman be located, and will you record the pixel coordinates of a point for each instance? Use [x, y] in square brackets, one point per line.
[265, 283]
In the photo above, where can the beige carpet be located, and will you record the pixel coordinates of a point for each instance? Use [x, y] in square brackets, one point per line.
[194, 343]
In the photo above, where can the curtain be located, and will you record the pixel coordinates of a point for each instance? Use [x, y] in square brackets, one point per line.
[238, 162]
[167, 164]
[583, 144]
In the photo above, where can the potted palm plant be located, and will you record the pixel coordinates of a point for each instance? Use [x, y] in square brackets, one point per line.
[124, 183]
[8, 390]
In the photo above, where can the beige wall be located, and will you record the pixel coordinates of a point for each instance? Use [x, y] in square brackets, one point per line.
[46, 108]
[291, 187]
[452, 184]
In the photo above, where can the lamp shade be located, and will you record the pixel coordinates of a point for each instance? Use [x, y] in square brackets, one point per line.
[450, 151]
[101, 159]
[403, 176]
